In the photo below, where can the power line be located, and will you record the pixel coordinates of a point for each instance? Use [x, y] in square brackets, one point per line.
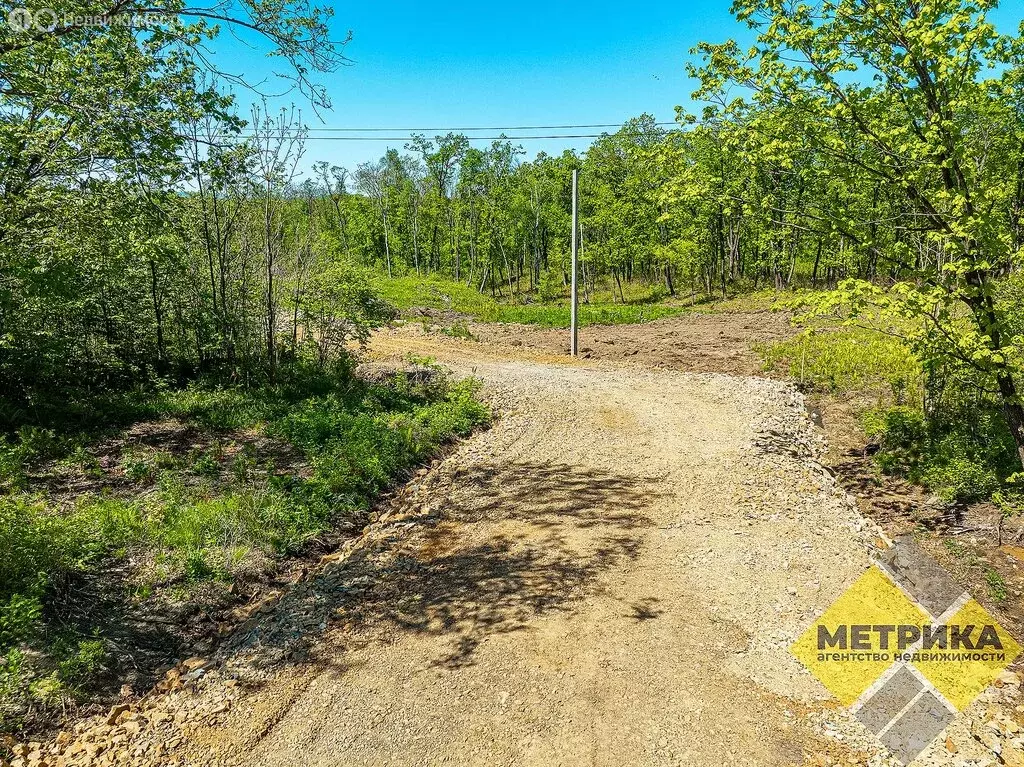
[460, 130]
[306, 132]
[410, 138]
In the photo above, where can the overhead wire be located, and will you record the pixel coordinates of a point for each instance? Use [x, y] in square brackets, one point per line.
[410, 138]
[490, 128]
[306, 132]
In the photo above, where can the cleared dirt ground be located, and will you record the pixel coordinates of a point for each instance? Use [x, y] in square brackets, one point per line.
[611, 575]
[710, 343]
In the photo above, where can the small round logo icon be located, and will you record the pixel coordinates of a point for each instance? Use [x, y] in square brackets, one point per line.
[46, 19]
[20, 19]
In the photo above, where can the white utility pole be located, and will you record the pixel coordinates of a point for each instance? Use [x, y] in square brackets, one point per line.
[574, 347]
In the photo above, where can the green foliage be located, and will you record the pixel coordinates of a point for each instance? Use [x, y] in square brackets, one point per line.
[959, 478]
[204, 463]
[440, 294]
[961, 461]
[80, 662]
[960, 448]
[12, 674]
[29, 445]
[893, 109]
[34, 543]
[209, 516]
[997, 588]
[902, 437]
[459, 329]
[1010, 497]
[433, 292]
[847, 359]
[589, 314]
[18, 618]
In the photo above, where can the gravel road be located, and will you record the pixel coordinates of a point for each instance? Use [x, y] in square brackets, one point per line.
[611, 575]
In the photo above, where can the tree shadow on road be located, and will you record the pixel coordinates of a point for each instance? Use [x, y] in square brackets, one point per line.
[465, 566]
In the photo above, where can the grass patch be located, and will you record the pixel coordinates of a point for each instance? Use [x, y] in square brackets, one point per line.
[845, 360]
[558, 316]
[274, 468]
[446, 295]
[550, 307]
[433, 292]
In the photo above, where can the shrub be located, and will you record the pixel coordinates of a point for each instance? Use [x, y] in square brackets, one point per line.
[847, 359]
[80, 662]
[959, 464]
[902, 437]
[459, 329]
[34, 543]
[18, 618]
[1009, 499]
[961, 479]
[41, 547]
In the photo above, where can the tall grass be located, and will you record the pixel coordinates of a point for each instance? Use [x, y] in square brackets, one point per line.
[446, 295]
[846, 360]
[201, 515]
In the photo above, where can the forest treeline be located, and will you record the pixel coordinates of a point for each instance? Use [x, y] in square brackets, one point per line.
[704, 207]
[168, 259]
[148, 231]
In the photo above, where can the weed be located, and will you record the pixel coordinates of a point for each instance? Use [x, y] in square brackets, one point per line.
[80, 662]
[955, 548]
[846, 360]
[902, 434]
[30, 445]
[996, 585]
[205, 463]
[137, 468]
[459, 330]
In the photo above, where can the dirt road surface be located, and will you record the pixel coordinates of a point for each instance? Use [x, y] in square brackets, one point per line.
[611, 575]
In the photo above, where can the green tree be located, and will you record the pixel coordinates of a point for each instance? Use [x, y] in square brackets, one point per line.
[920, 99]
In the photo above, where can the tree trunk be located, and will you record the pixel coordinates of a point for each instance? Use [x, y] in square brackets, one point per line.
[817, 260]
[161, 350]
[1013, 411]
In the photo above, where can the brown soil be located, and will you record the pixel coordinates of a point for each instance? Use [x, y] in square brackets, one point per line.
[705, 343]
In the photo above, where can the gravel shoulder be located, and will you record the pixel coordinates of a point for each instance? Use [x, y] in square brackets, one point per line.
[611, 575]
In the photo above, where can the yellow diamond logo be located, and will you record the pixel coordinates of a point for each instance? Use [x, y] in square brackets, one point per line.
[842, 649]
[906, 648]
[975, 650]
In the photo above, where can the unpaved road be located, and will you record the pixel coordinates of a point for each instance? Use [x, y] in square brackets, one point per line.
[611, 575]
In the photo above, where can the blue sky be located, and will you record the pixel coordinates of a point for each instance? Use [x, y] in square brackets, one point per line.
[496, 64]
